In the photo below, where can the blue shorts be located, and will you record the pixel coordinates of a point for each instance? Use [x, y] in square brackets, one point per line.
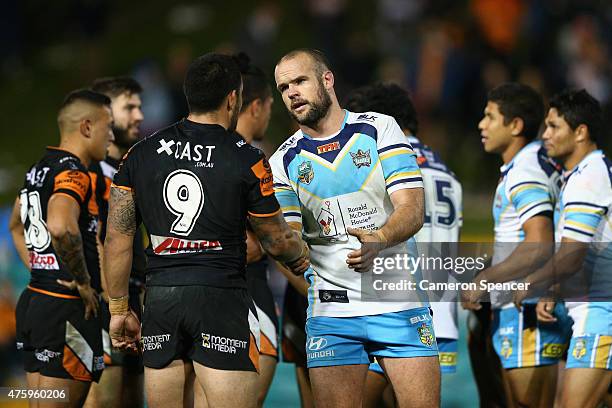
[447, 353]
[591, 344]
[590, 351]
[333, 341]
[521, 341]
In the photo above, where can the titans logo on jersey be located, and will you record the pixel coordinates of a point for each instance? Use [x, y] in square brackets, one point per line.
[341, 181]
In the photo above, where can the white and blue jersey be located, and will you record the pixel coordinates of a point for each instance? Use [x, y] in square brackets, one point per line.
[585, 215]
[528, 186]
[340, 181]
[328, 185]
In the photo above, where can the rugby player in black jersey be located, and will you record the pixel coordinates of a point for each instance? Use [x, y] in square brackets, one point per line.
[122, 381]
[193, 185]
[54, 227]
[252, 124]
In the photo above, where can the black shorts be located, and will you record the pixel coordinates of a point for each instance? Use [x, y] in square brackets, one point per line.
[55, 339]
[293, 335]
[216, 327]
[266, 312]
[113, 357]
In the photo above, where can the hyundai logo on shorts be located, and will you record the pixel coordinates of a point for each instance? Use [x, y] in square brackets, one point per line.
[317, 343]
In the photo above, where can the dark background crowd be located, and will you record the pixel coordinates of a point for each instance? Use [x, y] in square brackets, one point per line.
[448, 53]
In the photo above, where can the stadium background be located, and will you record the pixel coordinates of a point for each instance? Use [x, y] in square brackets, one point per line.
[447, 52]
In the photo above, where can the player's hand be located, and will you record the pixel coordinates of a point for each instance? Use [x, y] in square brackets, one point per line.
[362, 259]
[90, 298]
[470, 299]
[518, 297]
[545, 309]
[124, 331]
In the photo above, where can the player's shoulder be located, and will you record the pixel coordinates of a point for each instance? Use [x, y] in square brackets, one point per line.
[533, 160]
[246, 152]
[61, 160]
[378, 120]
[288, 145]
[429, 160]
[594, 171]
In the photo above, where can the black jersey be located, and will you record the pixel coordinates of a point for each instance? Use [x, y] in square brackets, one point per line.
[194, 185]
[102, 174]
[58, 172]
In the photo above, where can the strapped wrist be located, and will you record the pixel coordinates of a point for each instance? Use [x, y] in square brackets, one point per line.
[118, 305]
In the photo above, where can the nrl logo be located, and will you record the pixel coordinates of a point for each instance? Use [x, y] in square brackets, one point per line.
[506, 347]
[579, 349]
[425, 335]
[305, 172]
[361, 158]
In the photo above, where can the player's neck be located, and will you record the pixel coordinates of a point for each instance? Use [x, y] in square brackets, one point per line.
[210, 118]
[513, 148]
[245, 130]
[71, 146]
[116, 152]
[578, 155]
[328, 125]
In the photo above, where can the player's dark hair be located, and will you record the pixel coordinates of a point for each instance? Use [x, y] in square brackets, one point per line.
[209, 79]
[321, 62]
[389, 99]
[115, 86]
[254, 83]
[519, 101]
[579, 108]
[85, 95]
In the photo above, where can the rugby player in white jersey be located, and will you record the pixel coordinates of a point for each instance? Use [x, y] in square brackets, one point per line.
[346, 179]
[443, 216]
[523, 213]
[574, 125]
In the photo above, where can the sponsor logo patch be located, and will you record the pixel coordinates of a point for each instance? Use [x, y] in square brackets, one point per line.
[329, 147]
[43, 261]
[223, 344]
[333, 296]
[172, 246]
[154, 342]
[262, 170]
[552, 350]
[366, 117]
[327, 222]
[448, 358]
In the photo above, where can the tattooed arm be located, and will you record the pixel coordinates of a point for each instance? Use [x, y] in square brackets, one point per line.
[63, 225]
[281, 242]
[120, 230]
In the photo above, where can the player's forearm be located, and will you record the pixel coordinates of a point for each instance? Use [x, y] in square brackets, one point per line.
[117, 262]
[68, 245]
[296, 281]
[525, 259]
[277, 238]
[120, 230]
[20, 246]
[405, 221]
[567, 261]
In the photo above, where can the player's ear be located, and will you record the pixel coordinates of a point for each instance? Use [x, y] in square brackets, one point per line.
[581, 133]
[328, 79]
[517, 126]
[256, 107]
[85, 127]
[232, 100]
